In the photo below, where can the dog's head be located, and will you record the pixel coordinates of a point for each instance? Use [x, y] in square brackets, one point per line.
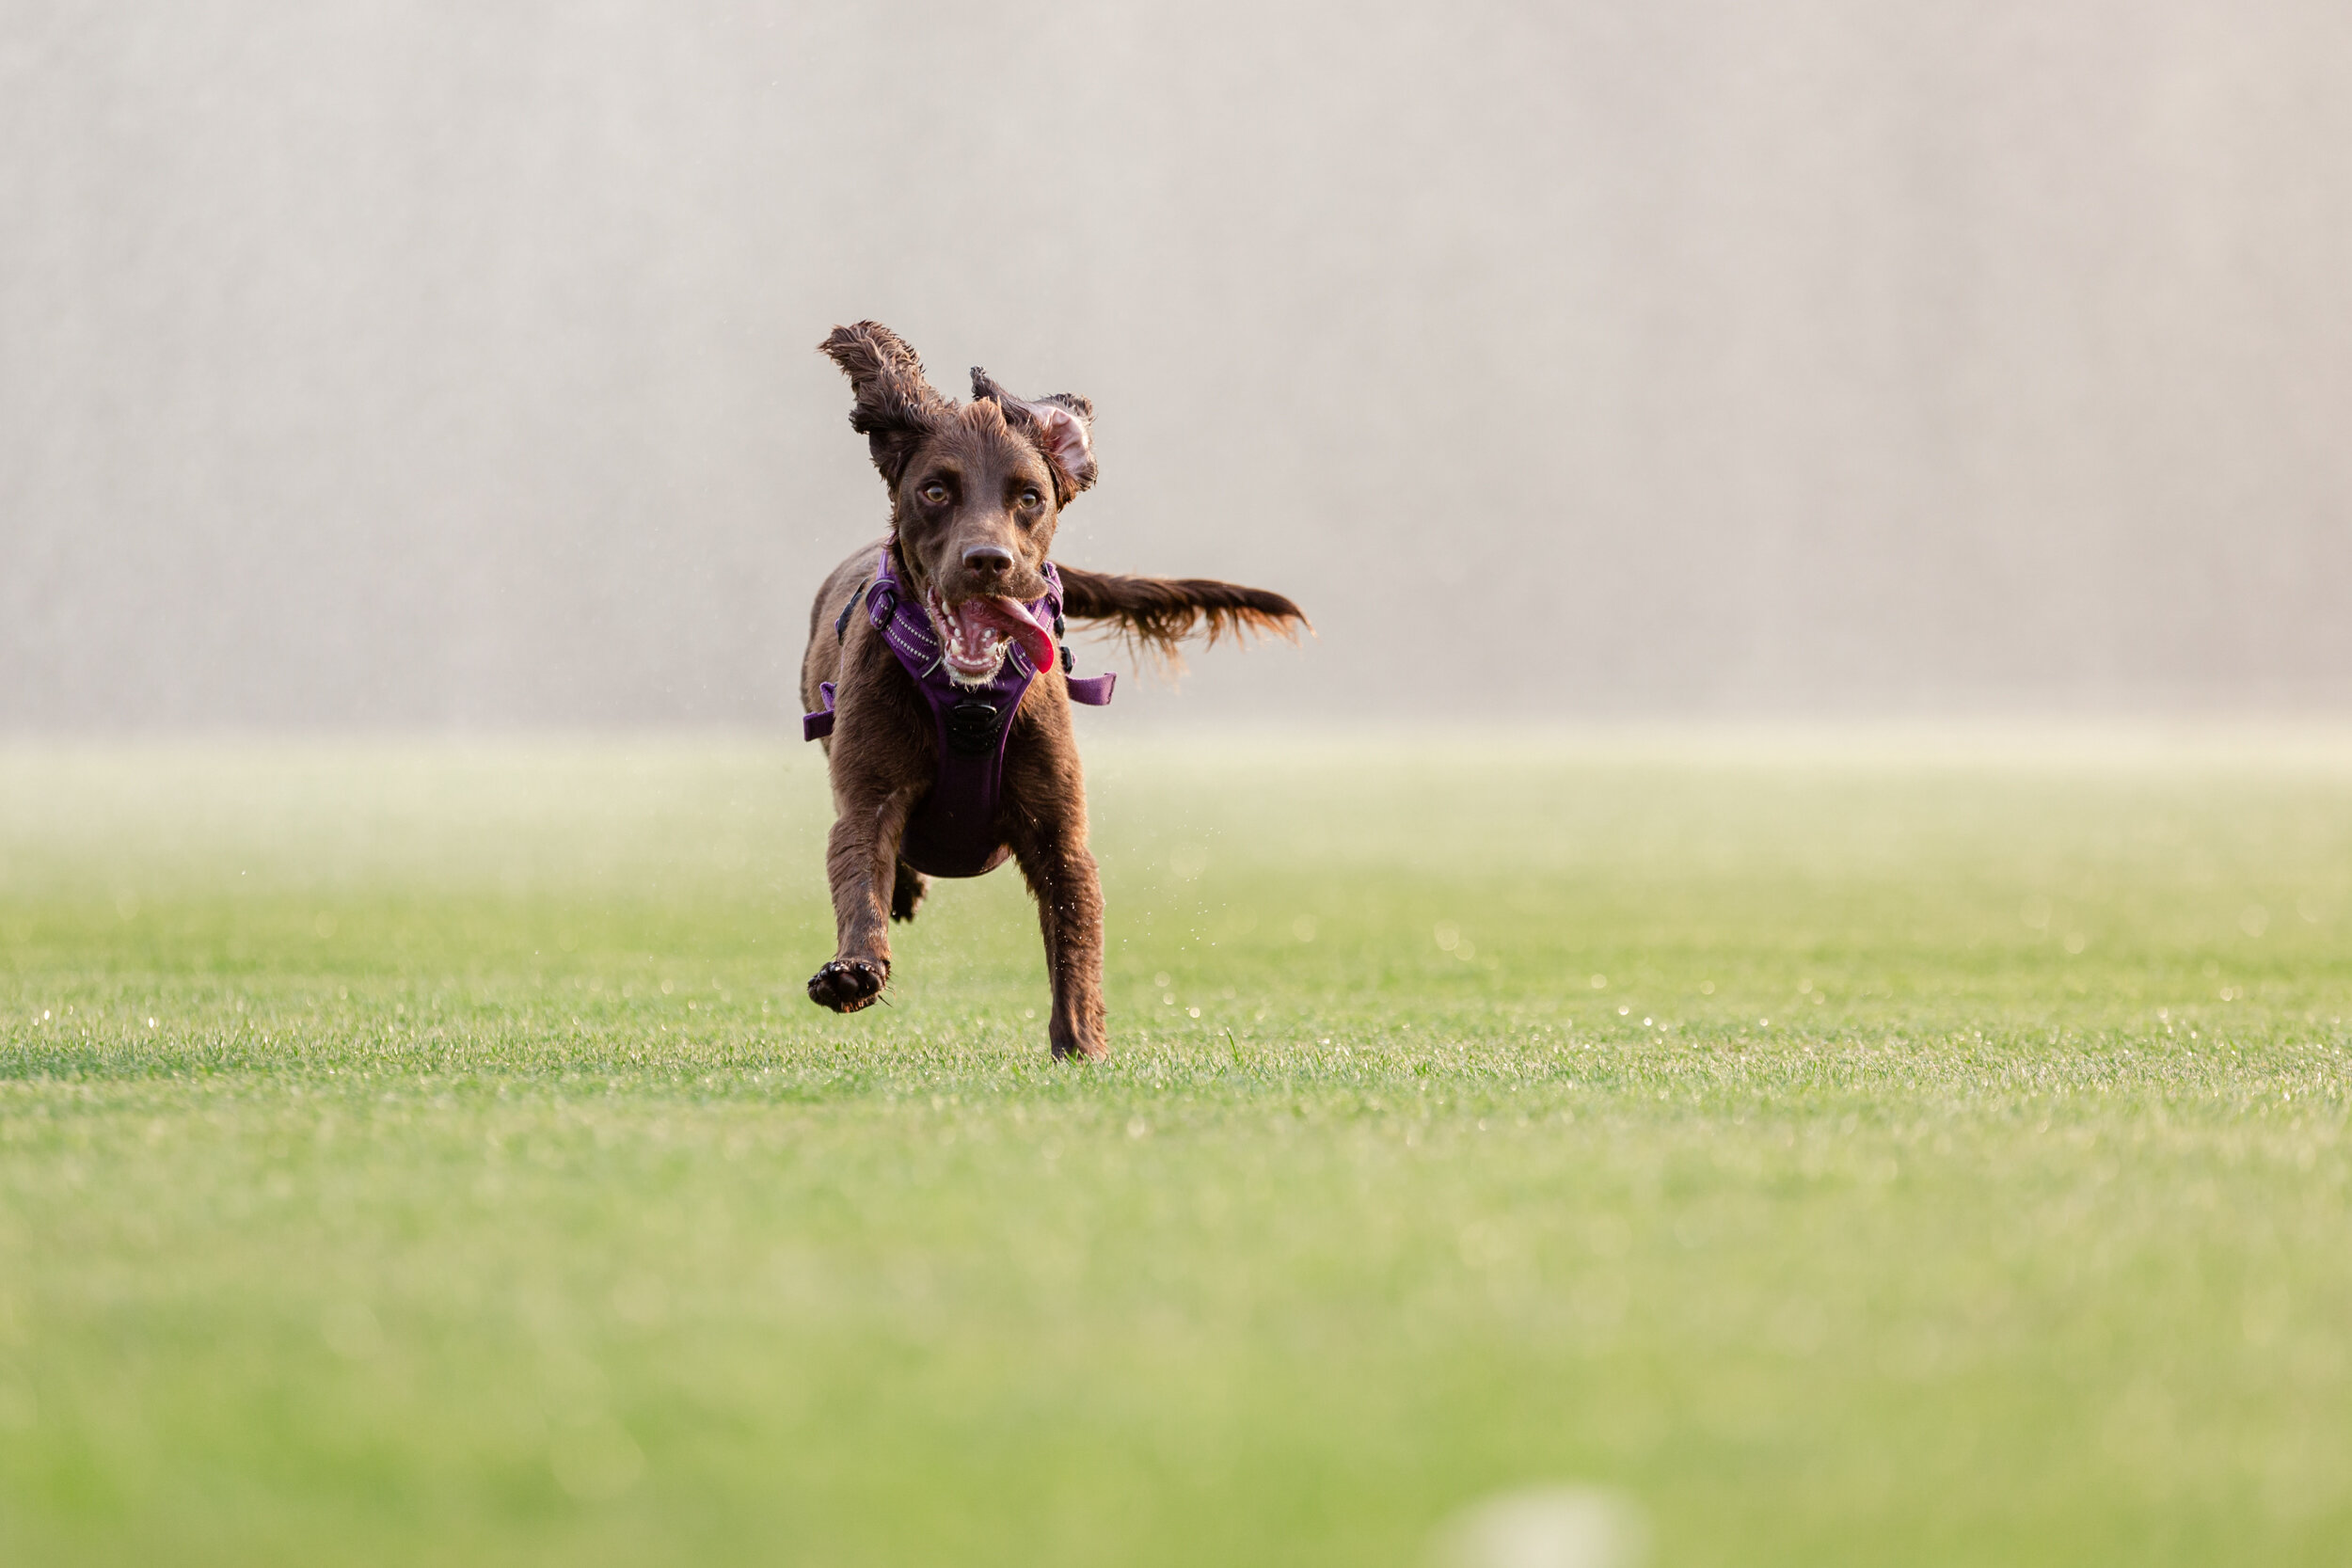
[975, 490]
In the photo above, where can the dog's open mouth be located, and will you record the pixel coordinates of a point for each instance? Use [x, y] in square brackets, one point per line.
[976, 635]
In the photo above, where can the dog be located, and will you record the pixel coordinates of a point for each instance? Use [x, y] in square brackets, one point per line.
[938, 681]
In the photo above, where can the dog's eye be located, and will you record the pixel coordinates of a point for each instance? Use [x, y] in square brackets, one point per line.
[1031, 500]
[934, 492]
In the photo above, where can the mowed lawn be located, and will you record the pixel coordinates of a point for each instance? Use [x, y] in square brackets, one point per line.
[1852, 1151]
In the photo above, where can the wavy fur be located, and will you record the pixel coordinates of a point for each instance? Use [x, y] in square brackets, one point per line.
[1153, 614]
[895, 408]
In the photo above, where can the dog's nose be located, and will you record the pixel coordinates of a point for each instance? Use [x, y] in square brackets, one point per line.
[988, 560]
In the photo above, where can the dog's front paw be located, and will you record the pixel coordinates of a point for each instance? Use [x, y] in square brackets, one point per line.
[845, 985]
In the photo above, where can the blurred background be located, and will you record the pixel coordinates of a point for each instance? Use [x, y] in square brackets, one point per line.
[416, 366]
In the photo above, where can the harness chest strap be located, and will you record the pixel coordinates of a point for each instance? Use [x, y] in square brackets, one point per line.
[1090, 691]
[951, 831]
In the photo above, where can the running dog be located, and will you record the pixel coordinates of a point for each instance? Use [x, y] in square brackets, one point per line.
[938, 676]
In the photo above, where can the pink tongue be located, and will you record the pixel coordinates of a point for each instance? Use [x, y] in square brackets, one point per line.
[1011, 618]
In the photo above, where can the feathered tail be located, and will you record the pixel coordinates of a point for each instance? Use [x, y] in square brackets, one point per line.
[1154, 614]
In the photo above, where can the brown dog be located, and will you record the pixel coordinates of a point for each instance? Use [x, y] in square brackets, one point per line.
[934, 663]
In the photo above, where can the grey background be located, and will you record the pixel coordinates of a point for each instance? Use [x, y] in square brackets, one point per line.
[411, 365]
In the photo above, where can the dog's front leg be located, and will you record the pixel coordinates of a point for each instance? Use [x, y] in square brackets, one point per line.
[1053, 858]
[861, 864]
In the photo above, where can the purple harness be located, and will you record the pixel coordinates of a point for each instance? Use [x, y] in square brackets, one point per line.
[952, 831]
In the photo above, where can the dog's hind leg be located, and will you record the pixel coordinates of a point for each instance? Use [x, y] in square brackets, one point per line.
[861, 861]
[907, 891]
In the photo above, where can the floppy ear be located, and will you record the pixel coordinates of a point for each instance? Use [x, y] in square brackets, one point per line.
[1061, 425]
[895, 407]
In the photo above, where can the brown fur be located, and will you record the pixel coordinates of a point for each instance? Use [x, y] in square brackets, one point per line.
[1151, 616]
[976, 491]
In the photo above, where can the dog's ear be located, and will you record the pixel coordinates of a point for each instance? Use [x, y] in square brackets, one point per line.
[1065, 433]
[1062, 424]
[895, 408]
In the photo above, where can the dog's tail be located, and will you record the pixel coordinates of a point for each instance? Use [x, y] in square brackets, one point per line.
[1154, 614]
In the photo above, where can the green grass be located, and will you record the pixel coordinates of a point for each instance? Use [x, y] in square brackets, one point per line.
[428, 1154]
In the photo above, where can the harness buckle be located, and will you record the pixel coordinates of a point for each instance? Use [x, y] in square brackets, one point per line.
[972, 728]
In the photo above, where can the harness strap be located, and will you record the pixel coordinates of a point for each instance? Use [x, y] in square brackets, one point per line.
[841, 626]
[952, 830]
[816, 726]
